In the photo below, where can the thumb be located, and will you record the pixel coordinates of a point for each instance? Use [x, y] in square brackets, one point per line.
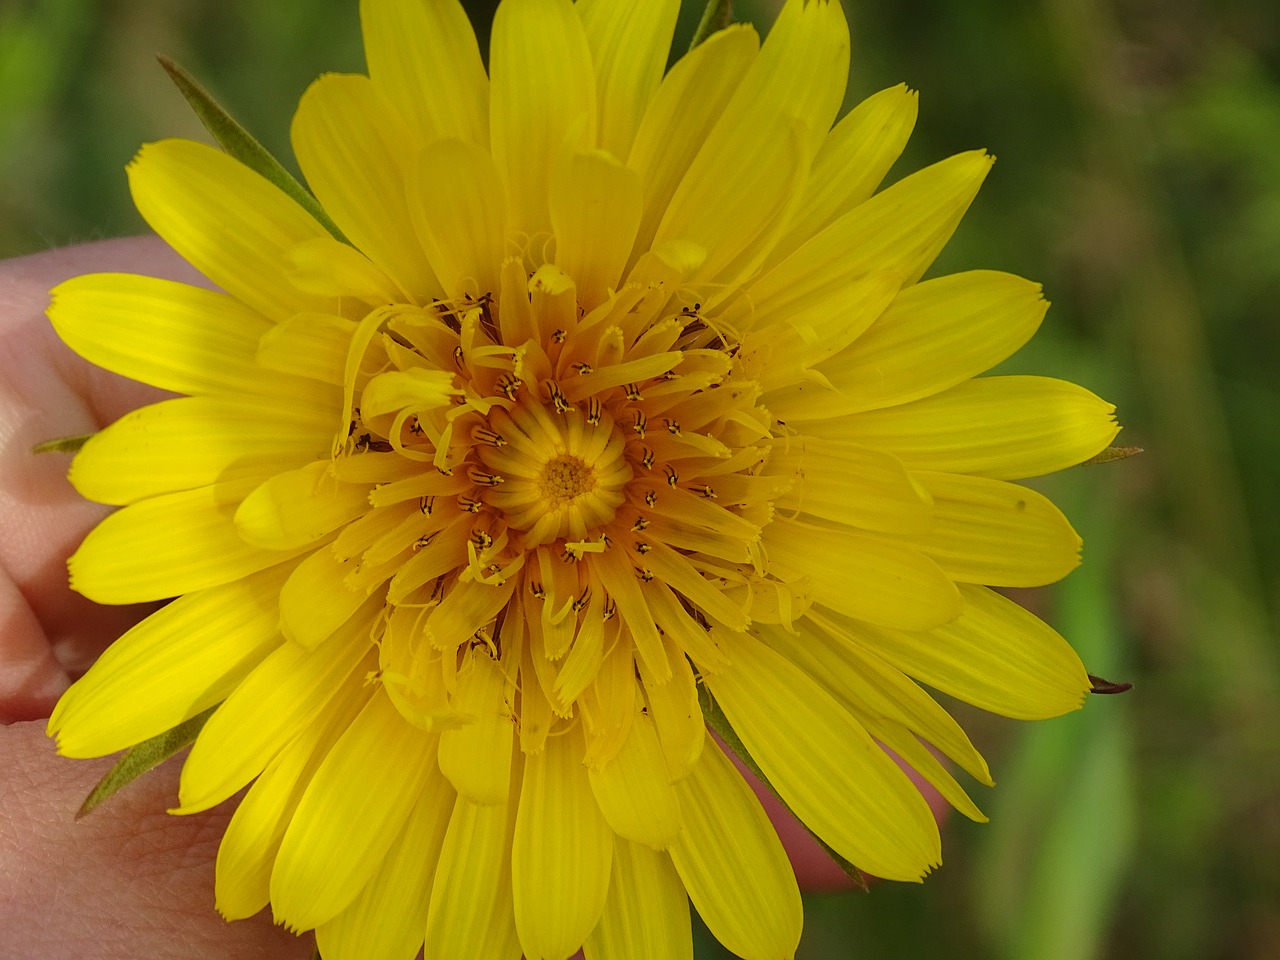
[127, 881]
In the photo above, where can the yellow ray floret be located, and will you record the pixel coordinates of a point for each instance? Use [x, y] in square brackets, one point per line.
[626, 409]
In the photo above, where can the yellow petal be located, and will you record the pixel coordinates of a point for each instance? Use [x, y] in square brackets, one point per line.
[825, 766]
[733, 865]
[280, 698]
[850, 484]
[861, 576]
[459, 209]
[297, 508]
[935, 335]
[351, 813]
[476, 755]
[168, 334]
[851, 162]
[995, 655]
[315, 600]
[1005, 428]
[803, 69]
[633, 788]
[618, 578]
[918, 757]
[595, 210]
[543, 90]
[629, 45]
[736, 192]
[424, 59]
[471, 895]
[467, 607]
[901, 228]
[673, 705]
[349, 144]
[674, 569]
[179, 661]
[311, 345]
[646, 914]
[247, 854]
[866, 685]
[227, 221]
[561, 853]
[196, 441]
[731, 202]
[173, 544]
[997, 533]
[689, 101]
[685, 636]
[779, 347]
[608, 703]
[387, 918]
[418, 389]
[330, 268]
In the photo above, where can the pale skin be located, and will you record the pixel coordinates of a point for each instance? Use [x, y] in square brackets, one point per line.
[130, 880]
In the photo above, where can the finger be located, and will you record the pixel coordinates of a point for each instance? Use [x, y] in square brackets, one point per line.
[127, 881]
[47, 391]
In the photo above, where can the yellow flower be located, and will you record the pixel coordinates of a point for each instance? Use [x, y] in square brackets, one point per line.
[626, 392]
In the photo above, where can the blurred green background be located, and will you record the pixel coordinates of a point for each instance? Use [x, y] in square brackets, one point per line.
[1139, 180]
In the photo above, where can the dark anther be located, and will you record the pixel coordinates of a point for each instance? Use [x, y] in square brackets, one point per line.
[508, 385]
[485, 435]
[557, 396]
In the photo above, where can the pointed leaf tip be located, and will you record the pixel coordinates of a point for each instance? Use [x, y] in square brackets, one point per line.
[143, 758]
[1114, 453]
[62, 444]
[239, 143]
[717, 15]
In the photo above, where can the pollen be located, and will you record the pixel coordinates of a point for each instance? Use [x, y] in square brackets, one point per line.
[564, 478]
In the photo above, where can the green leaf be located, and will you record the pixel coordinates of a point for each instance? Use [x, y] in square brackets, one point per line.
[62, 444]
[145, 756]
[717, 15]
[719, 723]
[238, 142]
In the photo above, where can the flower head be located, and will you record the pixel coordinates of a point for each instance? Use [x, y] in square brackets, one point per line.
[624, 398]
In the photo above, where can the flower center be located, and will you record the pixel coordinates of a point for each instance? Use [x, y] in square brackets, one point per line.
[562, 474]
[565, 478]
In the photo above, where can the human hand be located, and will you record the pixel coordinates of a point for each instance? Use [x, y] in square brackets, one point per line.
[130, 880]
